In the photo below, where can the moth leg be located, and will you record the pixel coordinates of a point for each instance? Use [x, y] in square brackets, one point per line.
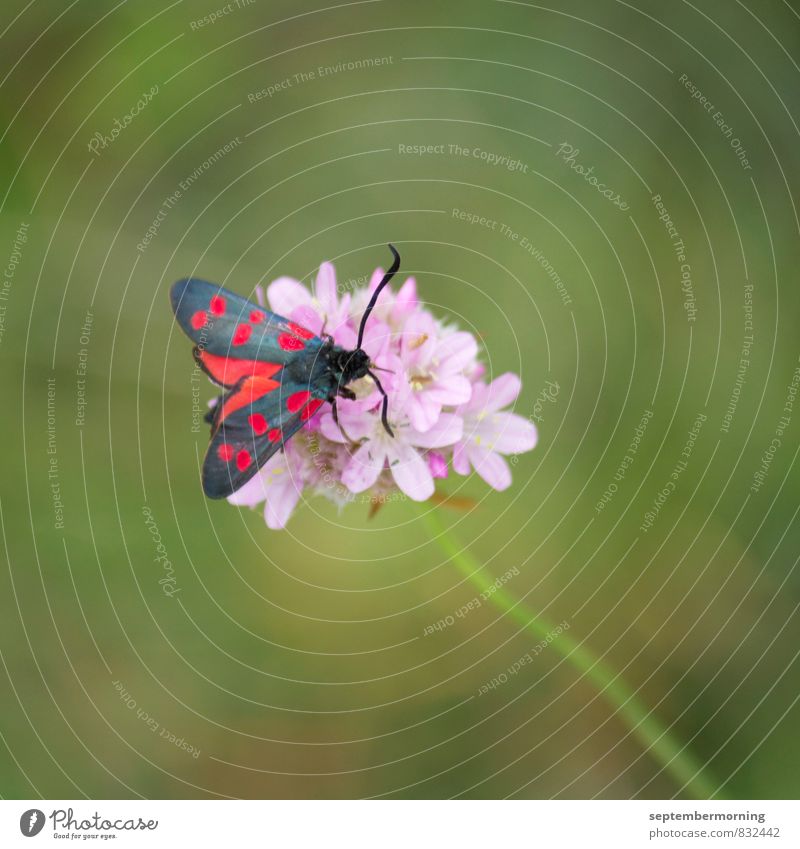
[347, 393]
[384, 405]
[335, 414]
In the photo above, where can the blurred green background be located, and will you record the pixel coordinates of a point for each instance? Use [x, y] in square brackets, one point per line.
[296, 663]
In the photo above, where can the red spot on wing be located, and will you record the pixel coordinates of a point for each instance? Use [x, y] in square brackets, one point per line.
[297, 400]
[242, 460]
[250, 391]
[274, 435]
[302, 332]
[241, 334]
[229, 370]
[217, 305]
[312, 408]
[256, 316]
[225, 452]
[290, 343]
[258, 423]
[199, 319]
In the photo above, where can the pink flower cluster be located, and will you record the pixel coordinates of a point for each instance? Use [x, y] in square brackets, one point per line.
[443, 413]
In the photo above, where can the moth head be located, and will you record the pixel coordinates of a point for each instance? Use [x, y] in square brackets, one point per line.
[353, 365]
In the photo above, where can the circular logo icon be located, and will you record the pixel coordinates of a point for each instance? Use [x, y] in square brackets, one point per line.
[31, 822]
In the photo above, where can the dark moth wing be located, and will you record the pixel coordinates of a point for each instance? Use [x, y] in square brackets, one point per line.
[271, 368]
[226, 324]
[247, 435]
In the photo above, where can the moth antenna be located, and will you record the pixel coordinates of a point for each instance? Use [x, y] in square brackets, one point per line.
[373, 300]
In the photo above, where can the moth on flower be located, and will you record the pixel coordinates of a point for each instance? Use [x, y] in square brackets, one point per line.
[271, 436]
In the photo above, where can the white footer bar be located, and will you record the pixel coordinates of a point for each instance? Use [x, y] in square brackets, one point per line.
[402, 824]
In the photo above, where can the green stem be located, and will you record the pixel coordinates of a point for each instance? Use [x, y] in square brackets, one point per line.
[676, 759]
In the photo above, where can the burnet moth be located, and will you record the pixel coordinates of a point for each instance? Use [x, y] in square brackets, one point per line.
[274, 373]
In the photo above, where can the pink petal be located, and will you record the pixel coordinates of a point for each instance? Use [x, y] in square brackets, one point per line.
[364, 467]
[422, 411]
[446, 430]
[460, 459]
[406, 300]
[329, 429]
[376, 278]
[345, 336]
[459, 349]
[503, 391]
[377, 337]
[393, 378]
[491, 467]
[407, 296]
[477, 372]
[356, 423]
[418, 342]
[286, 294]
[362, 418]
[252, 493]
[276, 484]
[410, 472]
[325, 288]
[354, 416]
[437, 464]
[282, 498]
[306, 316]
[450, 391]
[508, 433]
[339, 317]
[477, 401]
